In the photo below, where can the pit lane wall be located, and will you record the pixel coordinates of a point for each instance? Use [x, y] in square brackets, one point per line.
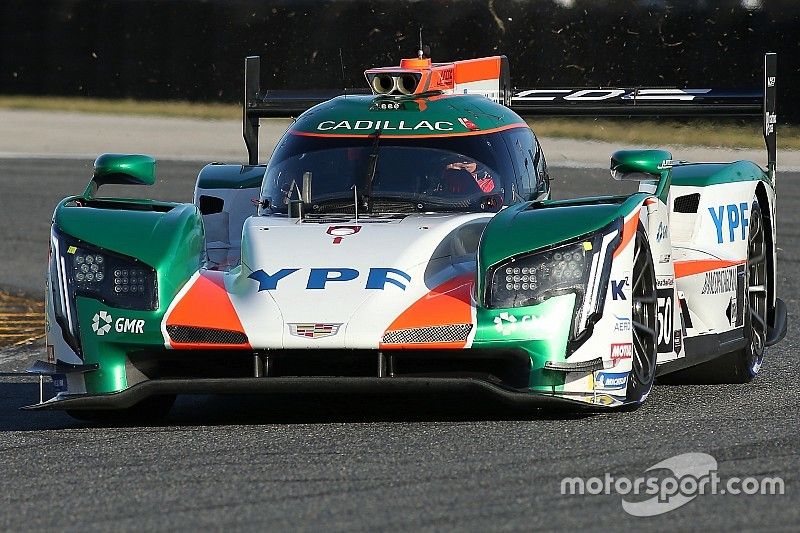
[179, 49]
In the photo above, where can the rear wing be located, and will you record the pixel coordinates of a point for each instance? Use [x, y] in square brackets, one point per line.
[607, 102]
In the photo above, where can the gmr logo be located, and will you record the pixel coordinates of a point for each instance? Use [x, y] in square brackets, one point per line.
[733, 216]
[129, 325]
[505, 323]
[101, 324]
[534, 328]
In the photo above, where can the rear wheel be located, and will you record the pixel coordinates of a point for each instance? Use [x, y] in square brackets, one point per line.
[743, 365]
[149, 410]
[643, 321]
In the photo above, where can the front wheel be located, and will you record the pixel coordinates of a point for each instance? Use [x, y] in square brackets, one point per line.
[643, 320]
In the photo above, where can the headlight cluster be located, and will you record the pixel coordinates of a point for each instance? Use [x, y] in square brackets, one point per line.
[581, 267]
[133, 280]
[88, 268]
[80, 269]
[118, 281]
[530, 279]
[121, 282]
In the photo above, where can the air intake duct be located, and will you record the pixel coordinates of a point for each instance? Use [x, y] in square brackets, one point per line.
[383, 84]
[406, 83]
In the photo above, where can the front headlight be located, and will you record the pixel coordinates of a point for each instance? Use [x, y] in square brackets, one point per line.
[114, 279]
[581, 267]
[80, 269]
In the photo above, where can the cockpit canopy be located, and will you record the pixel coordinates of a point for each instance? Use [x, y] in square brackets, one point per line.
[391, 174]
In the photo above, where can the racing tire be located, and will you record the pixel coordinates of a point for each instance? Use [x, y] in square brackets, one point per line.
[741, 366]
[148, 410]
[644, 323]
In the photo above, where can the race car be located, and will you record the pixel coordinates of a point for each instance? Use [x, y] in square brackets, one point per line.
[405, 240]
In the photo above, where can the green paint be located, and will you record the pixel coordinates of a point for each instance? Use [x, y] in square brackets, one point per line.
[528, 227]
[638, 162]
[170, 241]
[214, 176]
[705, 174]
[110, 349]
[124, 169]
[648, 161]
[436, 115]
[542, 330]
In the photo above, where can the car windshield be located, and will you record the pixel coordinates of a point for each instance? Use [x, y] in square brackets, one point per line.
[390, 175]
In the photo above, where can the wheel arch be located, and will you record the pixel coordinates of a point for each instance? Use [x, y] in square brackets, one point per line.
[762, 197]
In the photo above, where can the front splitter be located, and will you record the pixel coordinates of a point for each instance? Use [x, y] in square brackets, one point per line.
[313, 385]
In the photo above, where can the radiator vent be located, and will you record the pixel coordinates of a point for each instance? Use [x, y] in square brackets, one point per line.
[196, 335]
[449, 333]
[687, 203]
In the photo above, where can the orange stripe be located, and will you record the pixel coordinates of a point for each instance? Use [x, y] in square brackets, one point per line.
[690, 268]
[628, 231]
[449, 303]
[415, 63]
[422, 136]
[485, 68]
[207, 305]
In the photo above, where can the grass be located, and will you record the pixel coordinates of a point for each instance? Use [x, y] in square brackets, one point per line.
[123, 107]
[719, 133]
[722, 132]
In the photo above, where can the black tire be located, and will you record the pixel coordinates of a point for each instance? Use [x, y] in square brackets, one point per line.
[743, 365]
[148, 410]
[644, 323]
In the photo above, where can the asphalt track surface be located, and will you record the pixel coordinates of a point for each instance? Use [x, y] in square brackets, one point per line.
[377, 463]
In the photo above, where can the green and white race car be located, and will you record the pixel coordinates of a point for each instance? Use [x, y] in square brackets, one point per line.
[405, 241]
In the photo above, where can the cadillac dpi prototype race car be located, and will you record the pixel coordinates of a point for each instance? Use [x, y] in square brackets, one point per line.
[405, 240]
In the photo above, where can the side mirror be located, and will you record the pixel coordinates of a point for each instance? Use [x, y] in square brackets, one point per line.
[121, 169]
[631, 164]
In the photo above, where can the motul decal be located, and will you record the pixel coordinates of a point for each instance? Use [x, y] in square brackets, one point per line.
[621, 352]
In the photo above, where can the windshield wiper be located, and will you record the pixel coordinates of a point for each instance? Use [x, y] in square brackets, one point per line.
[372, 167]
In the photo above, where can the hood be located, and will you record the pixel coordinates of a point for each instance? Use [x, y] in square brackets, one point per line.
[344, 283]
[532, 226]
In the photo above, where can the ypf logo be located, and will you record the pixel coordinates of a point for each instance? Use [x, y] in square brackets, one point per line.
[101, 323]
[340, 232]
